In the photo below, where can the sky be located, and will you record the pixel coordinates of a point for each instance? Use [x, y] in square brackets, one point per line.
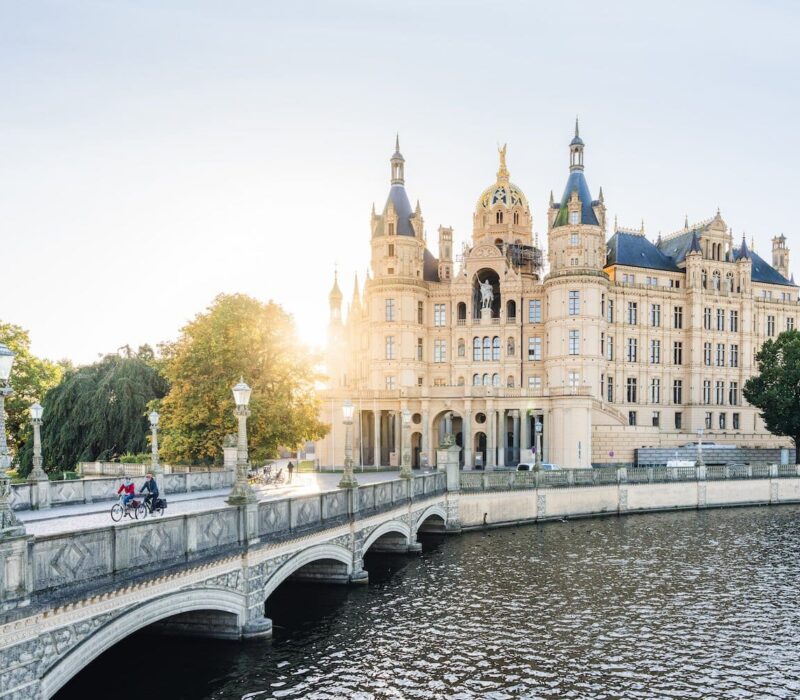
[154, 154]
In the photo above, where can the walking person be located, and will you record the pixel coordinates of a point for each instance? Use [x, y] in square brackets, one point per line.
[290, 467]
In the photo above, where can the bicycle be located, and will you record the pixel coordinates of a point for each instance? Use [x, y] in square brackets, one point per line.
[132, 509]
[154, 506]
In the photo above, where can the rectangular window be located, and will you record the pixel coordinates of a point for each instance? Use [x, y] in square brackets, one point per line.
[733, 394]
[720, 354]
[632, 350]
[678, 420]
[390, 383]
[439, 315]
[602, 306]
[390, 309]
[439, 350]
[709, 416]
[574, 342]
[420, 354]
[535, 311]
[707, 319]
[651, 281]
[707, 354]
[610, 317]
[602, 345]
[677, 353]
[420, 313]
[391, 229]
[535, 383]
[719, 393]
[770, 325]
[631, 417]
[419, 381]
[790, 323]
[720, 319]
[655, 352]
[389, 347]
[655, 315]
[677, 317]
[706, 391]
[656, 418]
[632, 312]
[734, 355]
[573, 237]
[675, 284]
[391, 250]
[631, 390]
[655, 391]
[736, 421]
[535, 348]
[628, 279]
[722, 421]
[574, 379]
[677, 391]
[610, 348]
[734, 321]
[574, 303]
[476, 349]
[610, 389]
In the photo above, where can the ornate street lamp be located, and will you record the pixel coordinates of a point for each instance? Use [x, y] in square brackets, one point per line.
[700, 462]
[37, 474]
[155, 466]
[6, 362]
[405, 460]
[348, 479]
[241, 493]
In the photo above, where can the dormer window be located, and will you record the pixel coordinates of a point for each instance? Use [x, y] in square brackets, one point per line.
[574, 218]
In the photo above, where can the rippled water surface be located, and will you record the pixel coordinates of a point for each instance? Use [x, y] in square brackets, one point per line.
[685, 605]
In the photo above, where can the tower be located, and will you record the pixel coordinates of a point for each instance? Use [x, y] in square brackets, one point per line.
[335, 357]
[445, 253]
[780, 255]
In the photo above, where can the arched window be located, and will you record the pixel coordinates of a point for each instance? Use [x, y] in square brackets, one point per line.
[496, 348]
[486, 380]
[510, 347]
[510, 381]
[495, 380]
[717, 280]
[476, 380]
[511, 310]
[462, 311]
[487, 349]
[499, 217]
[516, 217]
[462, 350]
[476, 349]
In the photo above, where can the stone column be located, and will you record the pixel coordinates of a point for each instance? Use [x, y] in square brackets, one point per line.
[515, 437]
[376, 446]
[397, 432]
[466, 432]
[426, 437]
[525, 439]
[491, 440]
[503, 441]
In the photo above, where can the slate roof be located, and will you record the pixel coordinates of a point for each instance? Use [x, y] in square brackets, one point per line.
[430, 267]
[677, 248]
[398, 197]
[635, 250]
[576, 181]
[762, 270]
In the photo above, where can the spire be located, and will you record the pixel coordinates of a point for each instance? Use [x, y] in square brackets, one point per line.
[552, 201]
[686, 221]
[743, 251]
[576, 150]
[658, 240]
[601, 199]
[356, 302]
[335, 298]
[502, 173]
[397, 161]
[336, 293]
[695, 245]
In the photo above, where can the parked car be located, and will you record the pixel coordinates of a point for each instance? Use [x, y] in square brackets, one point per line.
[531, 467]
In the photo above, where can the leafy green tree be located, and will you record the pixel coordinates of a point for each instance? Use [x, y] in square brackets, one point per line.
[97, 412]
[31, 377]
[776, 387]
[237, 336]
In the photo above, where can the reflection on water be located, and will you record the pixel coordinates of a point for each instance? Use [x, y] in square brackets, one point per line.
[685, 605]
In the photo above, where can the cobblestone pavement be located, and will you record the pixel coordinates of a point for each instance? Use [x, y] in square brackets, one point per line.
[81, 517]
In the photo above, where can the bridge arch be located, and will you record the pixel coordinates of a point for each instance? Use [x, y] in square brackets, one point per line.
[392, 527]
[320, 552]
[434, 512]
[142, 615]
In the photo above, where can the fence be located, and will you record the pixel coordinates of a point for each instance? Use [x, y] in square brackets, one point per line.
[123, 469]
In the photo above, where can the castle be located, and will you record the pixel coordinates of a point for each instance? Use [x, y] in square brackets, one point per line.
[618, 342]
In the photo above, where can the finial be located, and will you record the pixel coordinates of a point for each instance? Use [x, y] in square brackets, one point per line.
[642, 227]
[417, 209]
[718, 211]
[552, 201]
[577, 131]
[397, 142]
[601, 195]
[615, 223]
[373, 209]
[753, 243]
[502, 173]
[686, 221]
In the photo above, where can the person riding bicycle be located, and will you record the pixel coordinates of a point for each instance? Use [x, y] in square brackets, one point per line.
[128, 491]
[151, 487]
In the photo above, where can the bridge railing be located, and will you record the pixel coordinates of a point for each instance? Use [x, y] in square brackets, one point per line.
[569, 478]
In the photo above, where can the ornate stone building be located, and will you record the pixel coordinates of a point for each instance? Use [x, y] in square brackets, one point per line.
[616, 342]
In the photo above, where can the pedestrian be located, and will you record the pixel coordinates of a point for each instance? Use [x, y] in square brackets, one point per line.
[290, 467]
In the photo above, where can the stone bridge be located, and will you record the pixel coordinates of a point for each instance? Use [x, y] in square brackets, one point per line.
[67, 598]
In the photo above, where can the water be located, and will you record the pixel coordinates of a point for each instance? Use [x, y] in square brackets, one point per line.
[685, 605]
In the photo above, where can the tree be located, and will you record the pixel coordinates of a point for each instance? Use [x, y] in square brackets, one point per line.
[31, 377]
[776, 387]
[237, 336]
[97, 412]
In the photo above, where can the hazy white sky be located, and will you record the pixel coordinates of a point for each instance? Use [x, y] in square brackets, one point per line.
[155, 154]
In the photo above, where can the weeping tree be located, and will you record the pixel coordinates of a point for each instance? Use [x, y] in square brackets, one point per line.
[97, 412]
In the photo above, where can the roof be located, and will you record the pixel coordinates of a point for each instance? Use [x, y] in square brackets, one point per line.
[399, 198]
[677, 247]
[762, 271]
[430, 267]
[577, 182]
[635, 250]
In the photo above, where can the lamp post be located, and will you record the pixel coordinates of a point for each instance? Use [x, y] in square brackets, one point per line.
[37, 474]
[537, 436]
[405, 455]
[241, 493]
[700, 462]
[6, 361]
[348, 479]
[155, 466]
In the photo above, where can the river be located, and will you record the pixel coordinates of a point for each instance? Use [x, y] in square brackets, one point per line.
[696, 604]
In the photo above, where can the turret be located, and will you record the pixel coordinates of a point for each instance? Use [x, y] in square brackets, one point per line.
[780, 255]
[335, 301]
[445, 253]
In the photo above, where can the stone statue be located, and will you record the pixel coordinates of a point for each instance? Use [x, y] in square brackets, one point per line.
[502, 174]
[487, 295]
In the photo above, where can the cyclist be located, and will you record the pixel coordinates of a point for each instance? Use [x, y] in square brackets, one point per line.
[151, 487]
[128, 490]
